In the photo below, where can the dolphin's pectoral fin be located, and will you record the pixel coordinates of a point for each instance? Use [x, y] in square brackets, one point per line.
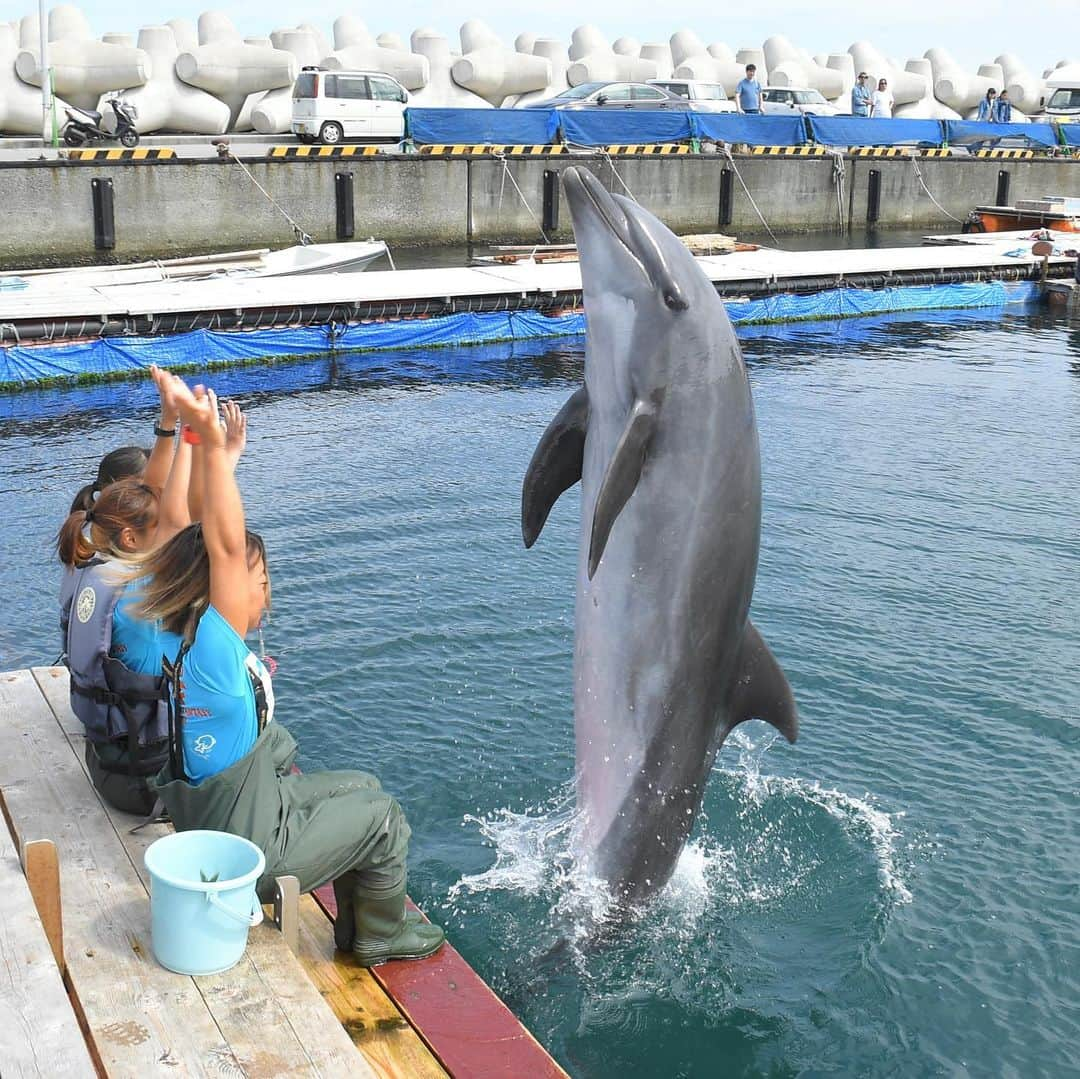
[762, 690]
[621, 477]
[556, 464]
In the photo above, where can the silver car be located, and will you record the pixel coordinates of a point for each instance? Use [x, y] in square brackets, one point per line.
[613, 95]
[783, 101]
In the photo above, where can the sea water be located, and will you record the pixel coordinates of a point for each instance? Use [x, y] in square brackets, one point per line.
[897, 894]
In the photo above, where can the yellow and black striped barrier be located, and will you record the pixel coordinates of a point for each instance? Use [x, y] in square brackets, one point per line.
[139, 153]
[937, 151]
[323, 151]
[458, 149]
[1004, 153]
[789, 151]
[879, 151]
[647, 149]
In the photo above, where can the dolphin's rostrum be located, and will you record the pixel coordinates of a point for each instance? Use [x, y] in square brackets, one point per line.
[663, 439]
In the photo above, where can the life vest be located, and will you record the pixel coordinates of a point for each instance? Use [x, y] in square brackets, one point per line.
[174, 693]
[113, 703]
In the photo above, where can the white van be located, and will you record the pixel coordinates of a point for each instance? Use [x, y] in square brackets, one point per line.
[706, 96]
[1063, 104]
[329, 106]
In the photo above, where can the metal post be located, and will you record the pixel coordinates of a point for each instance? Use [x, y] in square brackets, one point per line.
[47, 131]
[873, 196]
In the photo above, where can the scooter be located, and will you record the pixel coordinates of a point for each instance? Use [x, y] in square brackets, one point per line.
[84, 125]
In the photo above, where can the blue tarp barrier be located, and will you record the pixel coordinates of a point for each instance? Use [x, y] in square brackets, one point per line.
[599, 127]
[965, 132]
[1070, 134]
[863, 131]
[752, 130]
[532, 127]
[25, 366]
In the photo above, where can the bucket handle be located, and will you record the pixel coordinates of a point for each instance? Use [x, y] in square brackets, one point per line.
[250, 920]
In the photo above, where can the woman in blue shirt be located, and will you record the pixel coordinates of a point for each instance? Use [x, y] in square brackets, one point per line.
[988, 108]
[231, 765]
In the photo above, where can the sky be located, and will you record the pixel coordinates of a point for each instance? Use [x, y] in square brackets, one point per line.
[975, 31]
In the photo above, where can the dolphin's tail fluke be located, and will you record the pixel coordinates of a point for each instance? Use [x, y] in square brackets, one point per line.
[761, 689]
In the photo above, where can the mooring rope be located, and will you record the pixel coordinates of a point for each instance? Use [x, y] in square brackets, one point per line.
[742, 183]
[929, 195]
[839, 179]
[508, 175]
[302, 237]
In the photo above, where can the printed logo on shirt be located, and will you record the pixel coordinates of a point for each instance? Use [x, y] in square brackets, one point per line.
[85, 604]
[204, 744]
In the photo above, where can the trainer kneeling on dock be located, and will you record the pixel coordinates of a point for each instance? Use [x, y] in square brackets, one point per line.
[230, 766]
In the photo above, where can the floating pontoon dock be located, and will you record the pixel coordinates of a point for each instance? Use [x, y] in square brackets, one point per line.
[81, 994]
[416, 308]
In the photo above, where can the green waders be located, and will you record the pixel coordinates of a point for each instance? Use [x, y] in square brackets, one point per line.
[327, 826]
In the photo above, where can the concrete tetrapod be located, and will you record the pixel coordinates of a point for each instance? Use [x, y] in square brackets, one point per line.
[167, 103]
[272, 114]
[355, 48]
[592, 59]
[692, 60]
[1026, 91]
[440, 91]
[492, 71]
[553, 50]
[20, 103]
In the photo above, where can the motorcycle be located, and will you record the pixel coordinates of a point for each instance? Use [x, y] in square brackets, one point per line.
[84, 125]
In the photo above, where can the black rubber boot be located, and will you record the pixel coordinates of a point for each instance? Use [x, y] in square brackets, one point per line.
[384, 932]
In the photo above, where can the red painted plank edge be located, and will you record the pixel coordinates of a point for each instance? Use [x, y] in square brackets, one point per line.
[457, 1014]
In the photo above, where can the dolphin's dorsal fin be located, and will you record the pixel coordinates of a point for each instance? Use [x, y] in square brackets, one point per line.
[761, 689]
[621, 477]
[556, 464]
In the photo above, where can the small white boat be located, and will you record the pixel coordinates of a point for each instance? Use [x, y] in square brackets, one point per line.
[289, 262]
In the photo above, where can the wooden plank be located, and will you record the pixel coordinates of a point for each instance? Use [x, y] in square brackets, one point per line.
[375, 1025]
[274, 1021]
[39, 1034]
[137, 1014]
[472, 1032]
[41, 867]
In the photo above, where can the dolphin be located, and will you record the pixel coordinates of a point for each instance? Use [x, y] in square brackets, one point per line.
[663, 439]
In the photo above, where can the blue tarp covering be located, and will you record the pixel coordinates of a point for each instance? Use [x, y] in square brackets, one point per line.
[752, 130]
[500, 126]
[24, 366]
[862, 131]
[962, 132]
[598, 127]
[1070, 134]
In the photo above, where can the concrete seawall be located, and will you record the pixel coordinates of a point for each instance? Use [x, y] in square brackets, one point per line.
[164, 207]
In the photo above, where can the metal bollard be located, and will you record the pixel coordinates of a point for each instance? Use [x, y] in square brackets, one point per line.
[104, 220]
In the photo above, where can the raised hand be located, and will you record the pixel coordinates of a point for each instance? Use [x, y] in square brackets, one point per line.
[235, 430]
[198, 408]
[164, 383]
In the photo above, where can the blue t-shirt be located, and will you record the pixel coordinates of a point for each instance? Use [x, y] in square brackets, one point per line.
[749, 94]
[139, 645]
[220, 722]
[860, 100]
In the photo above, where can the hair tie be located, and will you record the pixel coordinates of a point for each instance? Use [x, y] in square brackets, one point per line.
[89, 516]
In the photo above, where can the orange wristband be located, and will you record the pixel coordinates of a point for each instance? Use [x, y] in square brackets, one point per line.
[189, 436]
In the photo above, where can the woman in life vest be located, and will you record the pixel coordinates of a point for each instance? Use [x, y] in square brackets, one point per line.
[231, 766]
[114, 659]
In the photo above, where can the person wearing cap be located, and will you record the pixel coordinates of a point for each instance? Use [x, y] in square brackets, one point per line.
[860, 96]
[748, 92]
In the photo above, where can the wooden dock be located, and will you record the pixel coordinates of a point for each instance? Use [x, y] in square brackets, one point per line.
[80, 991]
[175, 306]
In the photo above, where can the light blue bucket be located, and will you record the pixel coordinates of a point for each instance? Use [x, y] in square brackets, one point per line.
[202, 899]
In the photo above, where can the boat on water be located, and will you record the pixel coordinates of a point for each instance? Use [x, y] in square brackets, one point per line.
[1054, 212]
[509, 254]
[297, 261]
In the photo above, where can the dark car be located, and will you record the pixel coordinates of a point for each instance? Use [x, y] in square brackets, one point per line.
[613, 95]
